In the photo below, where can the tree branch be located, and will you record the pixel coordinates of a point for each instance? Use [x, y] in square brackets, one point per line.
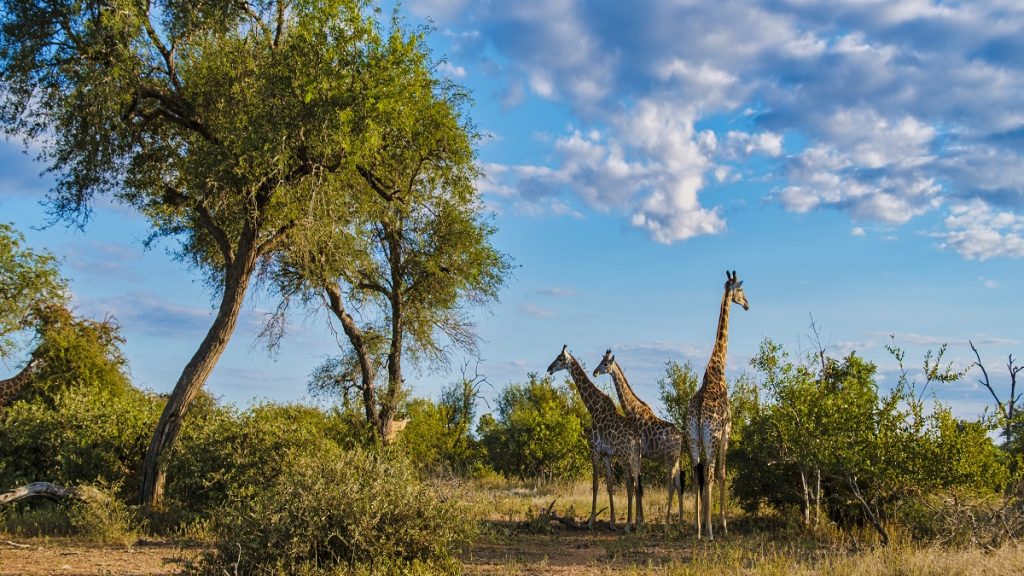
[167, 54]
[986, 383]
[376, 184]
[176, 111]
[175, 196]
[275, 240]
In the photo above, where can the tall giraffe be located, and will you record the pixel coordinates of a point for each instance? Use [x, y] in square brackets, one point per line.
[10, 387]
[660, 440]
[611, 437]
[709, 420]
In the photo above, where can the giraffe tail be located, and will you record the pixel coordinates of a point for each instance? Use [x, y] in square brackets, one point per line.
[698, 471]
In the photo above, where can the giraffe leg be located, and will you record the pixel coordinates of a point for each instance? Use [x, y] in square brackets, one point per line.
[720, 473]
[595, 461]
[630, 492]
[708, 474]
[639, 498]
[681, 486]
[672, 493]
[693, 431]
[610, 481]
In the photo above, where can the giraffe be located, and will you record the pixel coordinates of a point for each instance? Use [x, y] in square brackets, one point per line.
[611, 437]
[660, 440]
[10, 387]
[709, 420]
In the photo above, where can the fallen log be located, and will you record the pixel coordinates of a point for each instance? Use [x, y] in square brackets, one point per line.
[52, 492]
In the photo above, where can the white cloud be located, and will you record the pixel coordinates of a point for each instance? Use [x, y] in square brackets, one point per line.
[988, 282]
[742, 144]
[976, 231]
[660, 195]
[451, 70]
[905, 108]
[535, 311]
[857, 231]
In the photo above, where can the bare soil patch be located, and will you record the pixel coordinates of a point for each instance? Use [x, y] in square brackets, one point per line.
[67, 556]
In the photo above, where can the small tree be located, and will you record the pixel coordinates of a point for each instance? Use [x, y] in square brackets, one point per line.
[676, 388]
[538, 432]
[416, 255]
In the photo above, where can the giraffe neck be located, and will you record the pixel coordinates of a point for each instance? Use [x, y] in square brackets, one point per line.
[596, 401]
[10, 387]
[633, 406]
[715, 372]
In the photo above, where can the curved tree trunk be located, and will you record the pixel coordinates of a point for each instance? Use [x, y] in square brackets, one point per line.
[355, 337]
[198, 369]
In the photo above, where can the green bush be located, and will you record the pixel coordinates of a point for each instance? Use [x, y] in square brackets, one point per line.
[538, 432]
[336, 511]
[86, 436]
[101, 518]
[439, 438]
[223, 450]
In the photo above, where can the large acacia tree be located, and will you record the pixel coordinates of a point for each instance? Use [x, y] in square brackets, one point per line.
[227, 124]
[416, 255]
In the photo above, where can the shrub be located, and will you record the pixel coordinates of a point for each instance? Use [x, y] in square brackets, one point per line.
[223, 450]
[86, 436]
[538, 432]
[336, 511]
[100, 518]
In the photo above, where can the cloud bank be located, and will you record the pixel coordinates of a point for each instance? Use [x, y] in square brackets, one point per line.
[884, 111]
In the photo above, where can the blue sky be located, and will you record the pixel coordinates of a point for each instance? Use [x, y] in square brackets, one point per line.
[860, 162]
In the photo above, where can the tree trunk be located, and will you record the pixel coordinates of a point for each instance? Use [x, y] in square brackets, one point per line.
[805, 505]
[394, 391]
[817, 497]
[198, 369]
[355, 337]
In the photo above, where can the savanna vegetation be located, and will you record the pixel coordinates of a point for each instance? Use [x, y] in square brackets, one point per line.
[309, 149]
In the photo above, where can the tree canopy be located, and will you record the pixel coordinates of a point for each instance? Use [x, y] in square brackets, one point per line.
[229, 126]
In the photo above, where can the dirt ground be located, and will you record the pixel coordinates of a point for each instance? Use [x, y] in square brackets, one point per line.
[505, 550]
[52, 556]
[557, 553]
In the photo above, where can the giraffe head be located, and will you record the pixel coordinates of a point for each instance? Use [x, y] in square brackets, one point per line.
[562, 362]
[734, 290]
[606, 364]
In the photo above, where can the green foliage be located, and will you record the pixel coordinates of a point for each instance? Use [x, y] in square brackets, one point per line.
[340, 512]
[676, 388]
[29, 285]
[538, 432]
[77, 352]
[104, 518]
[84, 435]
[224, 450]
[873, 451]
[438, 440]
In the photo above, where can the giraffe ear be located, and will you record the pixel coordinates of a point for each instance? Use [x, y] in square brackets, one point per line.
[739, 284]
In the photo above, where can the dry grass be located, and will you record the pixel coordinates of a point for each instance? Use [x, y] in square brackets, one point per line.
[510, 544]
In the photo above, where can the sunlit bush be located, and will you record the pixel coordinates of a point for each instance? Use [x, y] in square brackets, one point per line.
[337, 510]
